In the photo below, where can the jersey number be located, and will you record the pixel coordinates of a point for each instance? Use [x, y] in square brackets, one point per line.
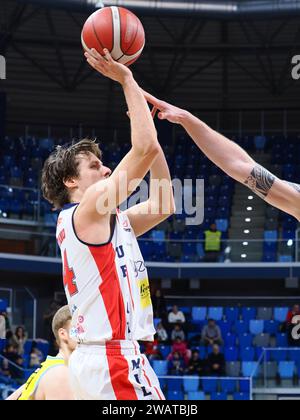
[69, 277]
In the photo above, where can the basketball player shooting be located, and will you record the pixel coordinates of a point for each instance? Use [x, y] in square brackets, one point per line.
[233, 160]
[105, 277]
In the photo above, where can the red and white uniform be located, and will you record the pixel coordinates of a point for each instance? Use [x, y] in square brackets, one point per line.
[108, 292]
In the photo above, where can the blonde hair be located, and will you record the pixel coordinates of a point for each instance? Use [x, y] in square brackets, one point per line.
[60, 320]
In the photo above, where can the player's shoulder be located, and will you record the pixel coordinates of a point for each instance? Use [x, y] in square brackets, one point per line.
[57, 372]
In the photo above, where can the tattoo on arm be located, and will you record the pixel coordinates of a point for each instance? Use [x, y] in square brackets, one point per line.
[295, 186]
[260, 181]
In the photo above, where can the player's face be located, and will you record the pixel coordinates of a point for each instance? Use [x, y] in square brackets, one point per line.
[91, 170]
[70, 342]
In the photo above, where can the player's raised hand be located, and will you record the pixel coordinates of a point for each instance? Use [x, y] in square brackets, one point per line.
[167, 111]
[108, 66]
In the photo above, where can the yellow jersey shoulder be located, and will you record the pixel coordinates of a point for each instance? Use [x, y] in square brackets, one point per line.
[33, 381]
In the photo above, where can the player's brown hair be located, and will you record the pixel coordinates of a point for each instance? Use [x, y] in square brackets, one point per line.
[60, 320]
[62, 165]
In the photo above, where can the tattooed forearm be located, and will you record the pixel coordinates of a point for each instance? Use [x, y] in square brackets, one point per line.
[295, 186]
[260, 181]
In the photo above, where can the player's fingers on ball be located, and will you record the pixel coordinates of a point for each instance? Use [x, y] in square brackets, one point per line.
[107, 55]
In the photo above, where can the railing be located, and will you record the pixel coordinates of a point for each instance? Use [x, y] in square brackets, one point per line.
[205, 387]
[36, 243]
[276, 376]
[229, 121]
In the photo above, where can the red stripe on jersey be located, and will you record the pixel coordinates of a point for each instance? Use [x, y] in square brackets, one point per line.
[130, 290]
[149, 383]
[110, 289]
[119, 375]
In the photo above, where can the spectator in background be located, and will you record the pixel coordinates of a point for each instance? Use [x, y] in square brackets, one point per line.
[213, 244]
[159, 305]
[20, 338]
[293, 312]
[177, 333]
[152, 350]
[216, 362]
[290, 324]
[2, 327]
[36, 356]
[176, 316]
[162, 335]
[176, 365]
[12, 369]
[196, 365]
[180, 347]
[211, 334]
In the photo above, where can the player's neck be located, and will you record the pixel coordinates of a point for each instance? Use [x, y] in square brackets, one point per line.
[76, 197]
[64, 353]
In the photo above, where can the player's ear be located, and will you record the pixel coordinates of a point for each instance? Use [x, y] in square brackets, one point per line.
[70, 182]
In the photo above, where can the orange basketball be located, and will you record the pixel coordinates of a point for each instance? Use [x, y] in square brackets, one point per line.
[116, 29]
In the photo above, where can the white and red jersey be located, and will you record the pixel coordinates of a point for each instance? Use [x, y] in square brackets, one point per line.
[107, 285]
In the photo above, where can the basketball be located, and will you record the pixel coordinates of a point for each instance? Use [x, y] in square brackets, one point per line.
[116, 29]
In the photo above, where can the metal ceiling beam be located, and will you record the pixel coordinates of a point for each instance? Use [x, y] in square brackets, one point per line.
[214, 9]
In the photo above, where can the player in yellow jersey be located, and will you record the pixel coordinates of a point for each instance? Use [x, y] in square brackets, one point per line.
[51, 380]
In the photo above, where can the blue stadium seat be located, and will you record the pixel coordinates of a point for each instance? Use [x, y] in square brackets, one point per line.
[215, 313]
[249, 313]
[160, 367]
[200, 250]
[43, 347]
[15, 207]
[230, 340]
[196, 396]
[232, 314]
[280, 314]
[158, 235]
[282, 340]
[218, 396]
[28, 373]
[199, 313]
[279, 355]
[271, 236]
[285, 258]
[247, 354]
[249, 369]
[190, 248]
[294, 356]
[165, 350]
[191, 384]
[231, 354]
[2, 345]
[286, 370]
[260, 142]
[174, 384]
[256, 326]
[175, 396]
[3, 304]
[240, 396]
[244, 386]
[209, 385]
[271, 327]
[222, 225]
[241, 327]
[228, 385]
[245, 340]
[225, 327]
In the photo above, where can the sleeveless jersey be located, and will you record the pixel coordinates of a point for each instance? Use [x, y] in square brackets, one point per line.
[107, 285]
[34, 380]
